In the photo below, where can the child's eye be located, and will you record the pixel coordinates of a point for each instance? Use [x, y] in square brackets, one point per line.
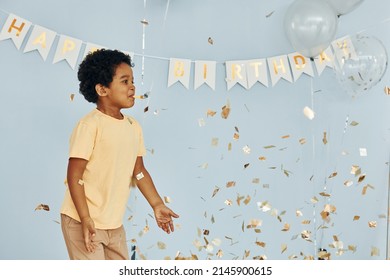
[126, 81]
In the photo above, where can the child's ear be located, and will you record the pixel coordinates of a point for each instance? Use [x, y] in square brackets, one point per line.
[101, 90]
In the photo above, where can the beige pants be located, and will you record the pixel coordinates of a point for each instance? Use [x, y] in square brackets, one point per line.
[111, 243]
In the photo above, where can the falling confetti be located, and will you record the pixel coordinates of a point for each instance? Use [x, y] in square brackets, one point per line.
[363, 152]
[354, 123]
[387, 90]
[144, 22]
[167, 199]
[210, 40]
[211, 113]
[372, 224]
[72, 96]
[309, 113]
[270, 14]
[225, 111]
[302, 141]
[324, 140]
[42, 207]
[216, 190]
[230, 184]
[161, 245]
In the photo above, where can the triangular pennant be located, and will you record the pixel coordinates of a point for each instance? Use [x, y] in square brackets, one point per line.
[236, 73]
[90, 48]
[179, 70]
[68, 48]
[279, 68]
[41, 39]
[343, 50]
[257, 71]
[15, 28]
[324, 59]
[205, 73]
[299, 65]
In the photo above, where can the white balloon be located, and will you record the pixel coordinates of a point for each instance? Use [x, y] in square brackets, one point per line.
[343, 7]
[310, 26]
[365, 69]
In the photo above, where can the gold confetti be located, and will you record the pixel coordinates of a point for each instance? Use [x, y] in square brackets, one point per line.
[236, 136]
[356, 218]
[324, 140]
[314, 200]
[387, 90]
[356, 170]
[206, 232]
[374, 251]
[353, 123]
[72, 96]
[324, 194]
[42, 207]
[372, 224]
[161, 245]
[246, 149]
[269, 147]
[230, 184]
[247, 200]
[219, 254]
[144, 22]
[211, 113]
[167, 199]
[228, 202]
[264, 206]
[255, 181]
[306, 222]
[305, 234]
[229, 146]
[348, 183]
[210, 40]
[284, 248]
[80, 182]
[261, 244]
[302, 141]
[216, 242]
[352, 248]
[334, 174]
[262, 158]
[361, 178]
[214, 142]
[254, 223]
[225, 111]
[216, 190]
[286, 227]
[129, 218]
[365, 188]
[298, 213]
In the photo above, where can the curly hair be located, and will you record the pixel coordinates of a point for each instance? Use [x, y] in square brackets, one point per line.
[99, 68]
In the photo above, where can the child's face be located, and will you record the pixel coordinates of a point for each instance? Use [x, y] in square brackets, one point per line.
[120, 92]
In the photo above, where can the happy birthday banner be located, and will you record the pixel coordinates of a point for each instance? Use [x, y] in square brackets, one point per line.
[246, 73]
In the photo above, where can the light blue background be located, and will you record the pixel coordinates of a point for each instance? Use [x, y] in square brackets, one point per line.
[38, 117]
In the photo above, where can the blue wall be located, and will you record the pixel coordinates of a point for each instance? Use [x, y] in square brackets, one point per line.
[38, 117]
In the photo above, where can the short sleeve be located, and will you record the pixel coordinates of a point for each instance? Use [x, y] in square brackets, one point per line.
[82, 141]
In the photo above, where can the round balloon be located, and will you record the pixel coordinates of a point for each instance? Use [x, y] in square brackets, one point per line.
[310, 26]
[344, 6]
[364, 65]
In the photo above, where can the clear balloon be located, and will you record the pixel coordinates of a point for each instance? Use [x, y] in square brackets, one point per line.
[310, 26]
[343, 7]
[360, 71]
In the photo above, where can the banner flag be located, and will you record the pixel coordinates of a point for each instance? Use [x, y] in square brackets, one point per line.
[15, 28]
[343, 50]
[179, 70]
[205, 73]
[324, 59]
[41, 39]
[68, 48]
[299, 65]
[279, 68]
[236, 73]
[257, 71]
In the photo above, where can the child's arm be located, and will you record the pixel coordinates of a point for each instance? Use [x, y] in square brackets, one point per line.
[76, 167]
[145, 184]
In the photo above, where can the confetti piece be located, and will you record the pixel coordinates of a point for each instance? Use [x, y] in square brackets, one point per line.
[353, 123]
[228, 202]
[387, 90]
[210, 40]
[214, 142]
[356, 170]
[230, 184]
[255, 181]
[146, 109]
[324, 140]
[144, 22]
[374, 251]
[356, 218]
[305, 222]
[284, 248]
[348, 183]
[305, 234]
[216, 190]
[216, 242]
[80, 182]
[161, 245]
[229, 146]
[270, 14]
[334, 174]
[262, 158]
[361, 178]
[286, 227]
[269, 147]
[225, 111]
[365, 188]
[201, 122]
[298, 213]
[324, 194]
[206, 232]
[167, 199]
[72, 96]
[372, 224]
[211, 113]
[219, 254]
[246, 149]
[261, 244]
[42, 207]
[363, 152]
[302, 141]
[247, 200]
[309, 113]
[264, 206]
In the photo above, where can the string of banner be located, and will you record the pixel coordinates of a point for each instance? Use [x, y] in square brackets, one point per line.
[246, 73]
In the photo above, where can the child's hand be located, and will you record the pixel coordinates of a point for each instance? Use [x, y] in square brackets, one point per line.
[164, 218]
[89, 232]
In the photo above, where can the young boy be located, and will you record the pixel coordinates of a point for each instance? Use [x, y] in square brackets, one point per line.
[106, 153]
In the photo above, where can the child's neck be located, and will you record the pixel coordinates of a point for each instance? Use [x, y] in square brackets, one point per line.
[110, 111]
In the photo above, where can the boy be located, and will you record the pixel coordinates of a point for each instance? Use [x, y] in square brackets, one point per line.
[106, 152]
